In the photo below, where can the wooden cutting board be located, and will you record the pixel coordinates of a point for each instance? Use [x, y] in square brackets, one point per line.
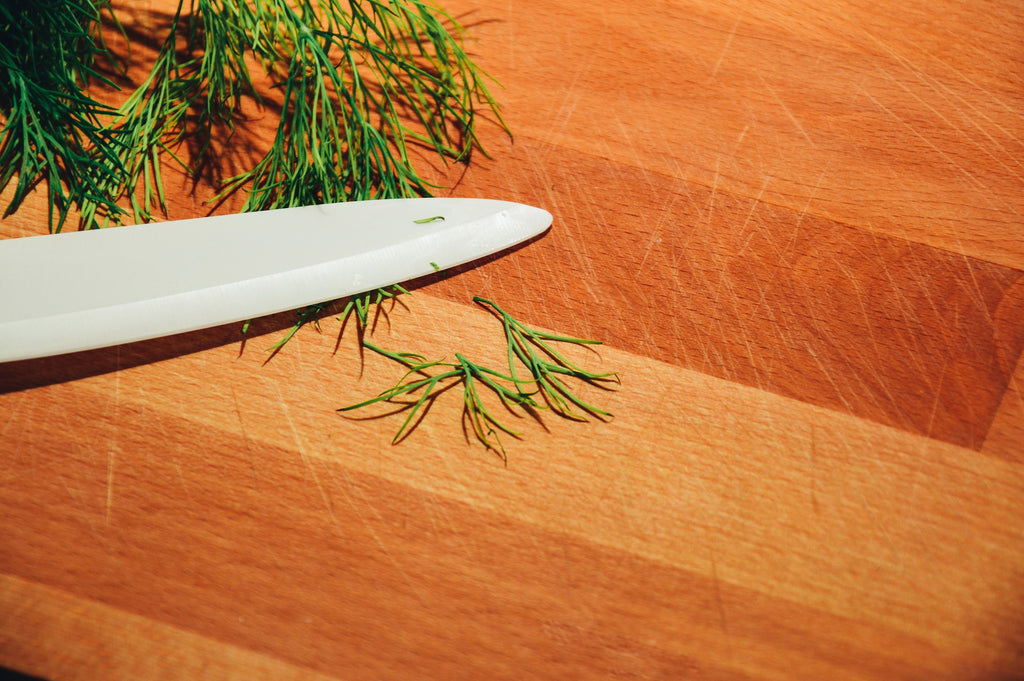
[799, 228]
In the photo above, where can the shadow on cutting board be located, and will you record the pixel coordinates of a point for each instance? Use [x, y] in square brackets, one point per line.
[34, 373]
[11, 675]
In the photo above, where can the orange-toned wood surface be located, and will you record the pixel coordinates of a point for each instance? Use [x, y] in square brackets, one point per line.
[799, 228]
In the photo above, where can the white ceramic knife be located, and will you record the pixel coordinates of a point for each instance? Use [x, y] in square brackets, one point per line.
[87, 289]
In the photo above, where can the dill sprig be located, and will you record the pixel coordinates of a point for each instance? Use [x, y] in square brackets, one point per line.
[54, 132]
[543, 385]
[351, 83]
[357, 307]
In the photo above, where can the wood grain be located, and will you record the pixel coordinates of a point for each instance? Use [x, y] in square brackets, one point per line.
[773, 298]
[798, 228]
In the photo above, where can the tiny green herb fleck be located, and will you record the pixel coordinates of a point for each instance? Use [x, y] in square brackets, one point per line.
[427, 221]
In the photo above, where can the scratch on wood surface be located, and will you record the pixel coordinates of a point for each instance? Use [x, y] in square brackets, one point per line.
[714, 191]
[184, 484]
[562, 117]
[78, 498]
[794, 234]
[584, 261]
[725, 48]
[869, 391]
[753, 356]
[869, 362]
[360, 507]
[828, 376]
[720, 604]
[937, 398]
[812, 455]
[787, 110]
[684, 248]
[971, 177]
[110, 482]
[956, 100]
[750, 214]
[924, 281]
[112, 443]
[654, 238]
[977, 297]
[739, 140]
[818, 184]
[910, 320]
[858, 290]
[657, 228]
[304, 455]
[639, 162]
[244, 432]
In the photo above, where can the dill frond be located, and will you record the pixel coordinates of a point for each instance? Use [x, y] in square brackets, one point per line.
[544, 385]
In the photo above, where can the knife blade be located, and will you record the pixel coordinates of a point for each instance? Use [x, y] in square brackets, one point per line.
[81, 290]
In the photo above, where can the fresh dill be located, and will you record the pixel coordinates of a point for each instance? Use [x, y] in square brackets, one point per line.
[54, 132]
[537, 378]
[361, 82]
